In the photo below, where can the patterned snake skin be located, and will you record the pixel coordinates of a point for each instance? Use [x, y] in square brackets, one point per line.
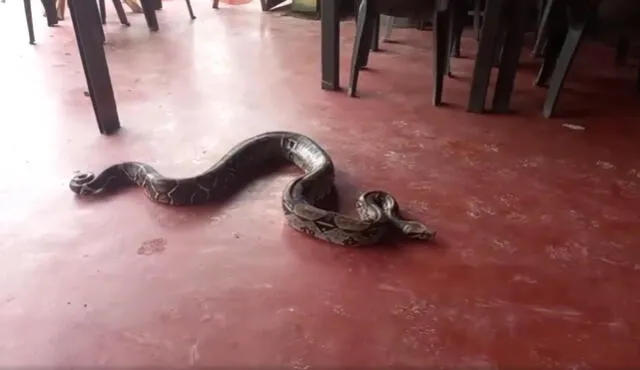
[303, 200]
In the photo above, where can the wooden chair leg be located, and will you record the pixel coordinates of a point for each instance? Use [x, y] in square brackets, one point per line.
[215, 4]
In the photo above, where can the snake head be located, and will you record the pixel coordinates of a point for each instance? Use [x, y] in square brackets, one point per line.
[80, 181]
[416, 230]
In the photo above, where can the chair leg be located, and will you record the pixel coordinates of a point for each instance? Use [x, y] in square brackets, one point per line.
[622, 49]
[499, 47]
[29, 15]
[458, 13]
[543, 25]
[190, 9]
[215, 4]
[510, 56]
[477, 14]
[441, 28]
[638, 78]
[485, 56]
[122, 16]
[360, 45]
[375, 39]
[556, 31]
[368, 33]
[577, 23]
[100, 29]
[149, 10]
[50, 12]
[450, 12]
[103, 11]
[388, 28]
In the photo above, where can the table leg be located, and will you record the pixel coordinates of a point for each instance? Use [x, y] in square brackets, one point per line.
[330, 44]
[89, 37]
[485, 56]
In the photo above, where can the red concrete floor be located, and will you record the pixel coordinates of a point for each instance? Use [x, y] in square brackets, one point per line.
[536, 263]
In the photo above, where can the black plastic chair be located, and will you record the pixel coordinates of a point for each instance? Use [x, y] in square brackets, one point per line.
[568, 21]
[369, 14]
[123, 18]
[119, 10]
[52, 16]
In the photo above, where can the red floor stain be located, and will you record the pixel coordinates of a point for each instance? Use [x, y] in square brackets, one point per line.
[536, 261]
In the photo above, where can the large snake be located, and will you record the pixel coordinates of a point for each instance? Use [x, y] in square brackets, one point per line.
[308, 202]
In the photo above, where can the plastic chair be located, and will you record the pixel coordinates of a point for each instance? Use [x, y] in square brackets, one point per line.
[370, 11]
[567, 22]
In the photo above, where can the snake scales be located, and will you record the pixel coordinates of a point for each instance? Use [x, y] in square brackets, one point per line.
[302, 200]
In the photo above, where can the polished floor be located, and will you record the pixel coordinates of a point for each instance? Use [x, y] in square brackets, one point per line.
[537, 260]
